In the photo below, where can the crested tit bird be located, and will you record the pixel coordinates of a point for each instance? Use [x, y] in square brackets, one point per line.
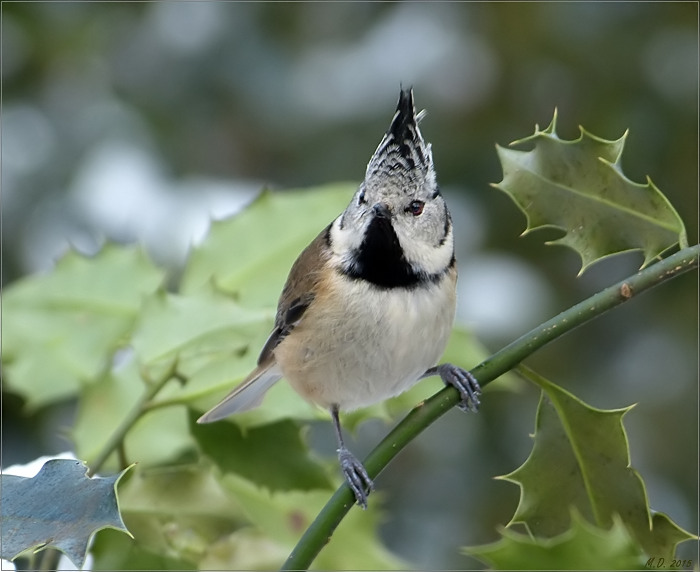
[368, 306]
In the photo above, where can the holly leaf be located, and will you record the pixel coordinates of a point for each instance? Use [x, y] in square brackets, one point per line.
[578, 186]
[73, 318]
[250, 254]
[581, 459]
[272, 455]
[582, 547]
[195, 328]
[60, 507]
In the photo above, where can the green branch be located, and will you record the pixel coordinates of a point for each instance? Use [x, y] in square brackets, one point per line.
[320, 531]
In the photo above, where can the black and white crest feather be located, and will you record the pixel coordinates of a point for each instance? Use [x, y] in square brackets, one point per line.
[402, 152]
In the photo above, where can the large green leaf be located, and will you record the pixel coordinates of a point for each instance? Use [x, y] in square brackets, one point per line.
[251, 253]
[578, 186]
[60, 329]
[582, 547]
[60, 508]
[195, 327]
[581, 459]
[272, 455]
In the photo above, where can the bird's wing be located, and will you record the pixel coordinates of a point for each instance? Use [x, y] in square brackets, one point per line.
[298, 292]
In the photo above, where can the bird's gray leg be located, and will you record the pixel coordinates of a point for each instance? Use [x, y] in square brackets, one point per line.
[355, 473]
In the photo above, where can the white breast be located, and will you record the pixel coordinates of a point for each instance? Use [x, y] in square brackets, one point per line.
[372, 345]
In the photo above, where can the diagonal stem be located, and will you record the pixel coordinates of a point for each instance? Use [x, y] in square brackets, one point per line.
[116, 440]
[320, 531]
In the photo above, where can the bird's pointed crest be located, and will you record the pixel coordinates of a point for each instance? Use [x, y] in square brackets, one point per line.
[402, 149]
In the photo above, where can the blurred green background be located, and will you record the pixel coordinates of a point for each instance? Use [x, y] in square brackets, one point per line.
[138, 122]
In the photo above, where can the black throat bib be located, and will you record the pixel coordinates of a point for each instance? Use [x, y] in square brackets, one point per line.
[380, 259]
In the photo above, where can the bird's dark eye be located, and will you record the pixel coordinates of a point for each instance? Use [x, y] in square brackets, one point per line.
[361, 198]
[415, 208]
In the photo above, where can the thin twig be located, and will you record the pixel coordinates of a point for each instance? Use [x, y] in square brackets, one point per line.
[116, 440]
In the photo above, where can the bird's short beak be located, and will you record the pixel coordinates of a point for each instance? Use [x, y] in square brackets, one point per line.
[381, 210]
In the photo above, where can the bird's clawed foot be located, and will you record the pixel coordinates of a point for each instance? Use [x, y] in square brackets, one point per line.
[356, 476]
[463, 381]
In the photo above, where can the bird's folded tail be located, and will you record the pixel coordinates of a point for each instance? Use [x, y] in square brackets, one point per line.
[247, 395]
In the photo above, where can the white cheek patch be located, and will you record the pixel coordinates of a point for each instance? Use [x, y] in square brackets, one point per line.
[428, 258]
[345, 239]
